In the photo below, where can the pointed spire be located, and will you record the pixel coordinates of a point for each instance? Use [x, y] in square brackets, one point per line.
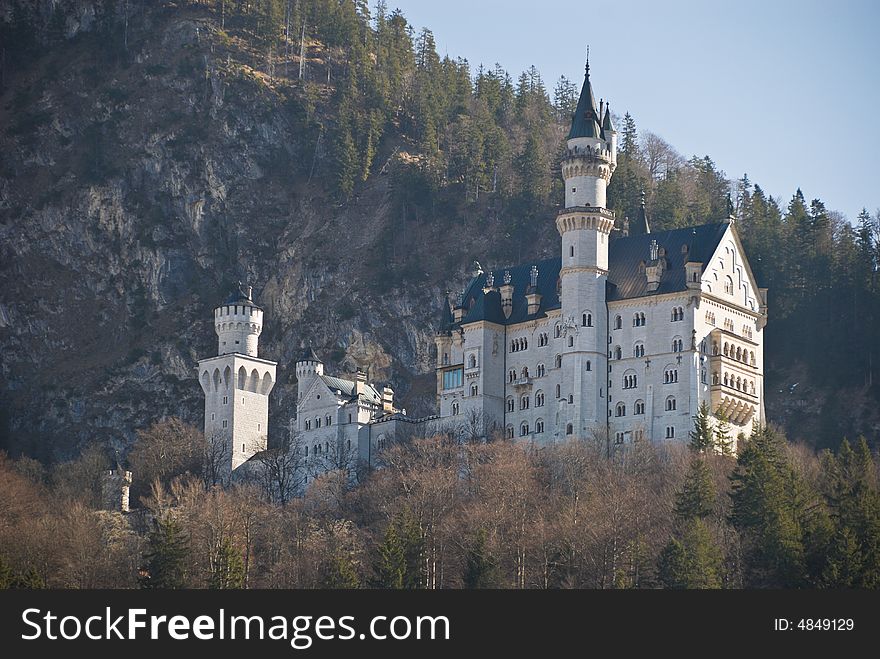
[585, 122]
[640, 224]
[607, 124]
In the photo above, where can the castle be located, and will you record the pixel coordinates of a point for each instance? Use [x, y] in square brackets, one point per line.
[621, 337]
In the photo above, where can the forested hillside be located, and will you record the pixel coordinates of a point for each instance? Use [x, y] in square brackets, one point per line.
[154, 153]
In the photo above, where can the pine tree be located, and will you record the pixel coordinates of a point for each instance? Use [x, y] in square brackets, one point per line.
[481, 568]
[696, 499]
[165, 558]
[723, 441]
[227, 570]
[765, 512]
[400, 561]
[691, 561]
[702, 437]
[340, 572]
[629, 144]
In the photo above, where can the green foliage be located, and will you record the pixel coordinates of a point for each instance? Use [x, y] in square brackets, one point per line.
[400, 556]
[166, 557]
[339, 571]
[481, 568]
[696, 499]
[227, 567]
[702, 436]
[850, 489]
[783, 527]
[691, 561]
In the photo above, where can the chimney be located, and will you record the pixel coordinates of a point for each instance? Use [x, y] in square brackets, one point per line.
[360, 382]
[387, 399]
[506, 291]
[458, 310]
[655, 266]
[533, 297]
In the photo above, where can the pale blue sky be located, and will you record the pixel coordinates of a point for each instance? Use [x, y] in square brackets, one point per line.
[786, 91]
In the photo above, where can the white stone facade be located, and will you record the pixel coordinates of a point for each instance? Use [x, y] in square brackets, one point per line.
[237, 384]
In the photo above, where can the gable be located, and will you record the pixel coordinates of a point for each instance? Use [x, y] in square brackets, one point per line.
[728, 276]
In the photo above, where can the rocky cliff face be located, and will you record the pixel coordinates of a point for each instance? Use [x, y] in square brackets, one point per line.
[137, 186]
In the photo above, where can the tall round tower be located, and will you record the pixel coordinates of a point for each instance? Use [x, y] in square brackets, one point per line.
[238, 323]
[585, 226]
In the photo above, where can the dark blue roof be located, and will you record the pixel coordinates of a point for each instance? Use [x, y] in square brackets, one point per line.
[585, 121]
[488, 306]
[626, 278]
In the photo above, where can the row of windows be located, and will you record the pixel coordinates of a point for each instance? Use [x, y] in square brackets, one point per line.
[639, 349]
[524, 429]
[519, 344]
[524, 401]
[328, 420]
[740, 384]
[677, 314]
[733, 351]
[540, 370]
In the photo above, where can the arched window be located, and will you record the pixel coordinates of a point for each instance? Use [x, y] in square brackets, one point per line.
[639, 349]
[716, 378]
[752, 387]
[618, 322]
[511, 405]
[739, 354]
[524, 403]
[511, 375]
[474, 390]
[455, 409]
[670, 432]
[752, 358]
[670, 403]
[630, 380]
[557, 331]
[524, 430]
[308, 424]
[571, 251]
[571, 399]
[620, 410]
[587, 320]
[670, 375]
[570, 341]
[677, 344]
[589, 365]
[558, 361]
[539, 371]
[539, 426]
[618, 353]
[525, 372]
[539, 399]
[317, 422]
[328, 420]
[509, 432]
[639, 407]
[726, 349]
[569, 429]
[728, 285]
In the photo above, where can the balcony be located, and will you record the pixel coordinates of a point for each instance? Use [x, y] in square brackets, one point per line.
[737, 406]
[522, 382]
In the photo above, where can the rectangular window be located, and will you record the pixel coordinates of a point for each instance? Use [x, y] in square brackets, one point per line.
[224, 423]
[453, 379]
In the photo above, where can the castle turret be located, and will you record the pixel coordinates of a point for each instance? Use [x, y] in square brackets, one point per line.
[237, 384]
[585, 225]
[238, 323]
